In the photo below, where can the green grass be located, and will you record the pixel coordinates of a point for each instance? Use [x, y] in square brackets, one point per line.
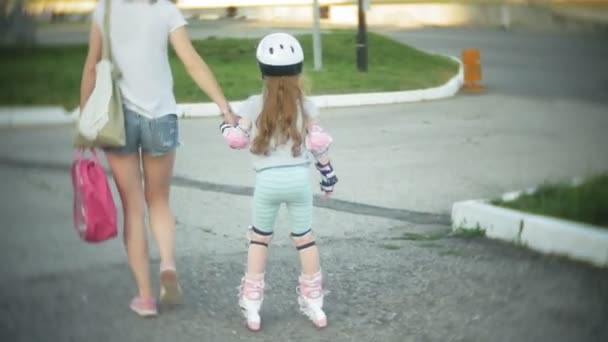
[51, 75]
[587, 202]
[390, 247]
[453, 253]
[420, 237]
[429, 244]
[468, 233]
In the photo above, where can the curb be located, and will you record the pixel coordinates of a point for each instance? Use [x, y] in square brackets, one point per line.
[540, 233]
[446, 90]
[28, 116]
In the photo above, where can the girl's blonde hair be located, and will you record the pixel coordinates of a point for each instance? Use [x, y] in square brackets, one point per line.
[279, 121]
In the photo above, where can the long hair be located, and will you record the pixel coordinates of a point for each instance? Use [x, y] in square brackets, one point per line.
[279, 120]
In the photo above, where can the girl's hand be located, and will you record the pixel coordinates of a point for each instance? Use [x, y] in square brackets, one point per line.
[236, 137]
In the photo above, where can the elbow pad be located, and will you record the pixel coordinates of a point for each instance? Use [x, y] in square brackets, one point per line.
[318, 141]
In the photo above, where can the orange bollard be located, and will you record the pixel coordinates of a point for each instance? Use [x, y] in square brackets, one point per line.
[471, 61]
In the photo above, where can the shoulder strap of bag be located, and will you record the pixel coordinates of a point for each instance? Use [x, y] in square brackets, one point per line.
[106, 50]
[106, 30]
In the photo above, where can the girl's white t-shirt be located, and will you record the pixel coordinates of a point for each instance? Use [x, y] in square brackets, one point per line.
[280, 155]
[139, 39]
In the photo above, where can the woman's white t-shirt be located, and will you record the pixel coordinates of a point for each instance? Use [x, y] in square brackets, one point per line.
[139, 39]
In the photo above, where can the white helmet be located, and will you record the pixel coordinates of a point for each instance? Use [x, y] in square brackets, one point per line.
[280, 54]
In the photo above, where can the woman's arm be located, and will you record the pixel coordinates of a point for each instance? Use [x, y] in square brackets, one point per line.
[87, 83]
[200, 72]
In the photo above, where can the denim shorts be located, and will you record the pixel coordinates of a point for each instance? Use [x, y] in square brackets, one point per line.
[154, 137]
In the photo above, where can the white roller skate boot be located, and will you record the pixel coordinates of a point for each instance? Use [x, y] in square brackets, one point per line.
[310, 298]
[251, 296]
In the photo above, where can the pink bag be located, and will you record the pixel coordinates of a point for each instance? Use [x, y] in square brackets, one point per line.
[94, 209]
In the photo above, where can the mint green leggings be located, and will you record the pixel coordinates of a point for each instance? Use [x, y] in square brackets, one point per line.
[290, 185]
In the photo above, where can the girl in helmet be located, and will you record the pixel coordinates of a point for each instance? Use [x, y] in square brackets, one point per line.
[280, 129]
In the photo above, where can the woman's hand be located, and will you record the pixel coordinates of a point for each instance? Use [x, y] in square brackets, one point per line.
[230, 117]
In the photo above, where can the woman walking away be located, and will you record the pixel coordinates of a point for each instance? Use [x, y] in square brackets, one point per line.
[140, 33]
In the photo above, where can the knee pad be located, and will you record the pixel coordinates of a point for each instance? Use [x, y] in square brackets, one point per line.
[258, 237]
[304, 240]
[317, 141]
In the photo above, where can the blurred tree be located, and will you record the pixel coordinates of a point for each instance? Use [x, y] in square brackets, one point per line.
[16, 26]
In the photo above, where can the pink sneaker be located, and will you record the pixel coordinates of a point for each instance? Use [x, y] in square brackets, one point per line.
[144, 307]
[170, 291]
[251, 296]
[310, 298]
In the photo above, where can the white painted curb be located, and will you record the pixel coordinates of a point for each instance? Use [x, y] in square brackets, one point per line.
[543, 234]
[27, 116]
[446, 90]
[498, 223]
